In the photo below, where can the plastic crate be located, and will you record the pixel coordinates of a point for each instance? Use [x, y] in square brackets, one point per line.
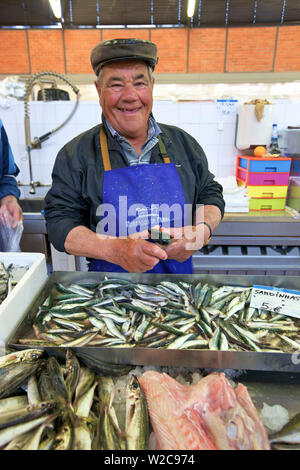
[13, 308]
[256, 171]
[262, 179]
[293, 199]
[264, 204]
[265, 164]
[267, 192]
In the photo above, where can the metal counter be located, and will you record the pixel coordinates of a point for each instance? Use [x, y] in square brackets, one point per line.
[263, 243]
[242, 244]
[262, 361]
[259, 228]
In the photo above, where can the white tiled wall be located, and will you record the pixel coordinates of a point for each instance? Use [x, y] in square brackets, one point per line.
[215, 132]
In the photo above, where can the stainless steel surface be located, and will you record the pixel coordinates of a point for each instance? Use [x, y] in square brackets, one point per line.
[188, 358]
[259, 225]
[289, 141]
[34, 243]
[32, 205]
[34, 222]
[264, 260]
[34, 238]
[254, 240]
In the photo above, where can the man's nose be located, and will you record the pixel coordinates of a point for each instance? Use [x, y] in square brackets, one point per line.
[129, 92]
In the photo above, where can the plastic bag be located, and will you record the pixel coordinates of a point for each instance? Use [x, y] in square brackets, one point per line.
[10, 232]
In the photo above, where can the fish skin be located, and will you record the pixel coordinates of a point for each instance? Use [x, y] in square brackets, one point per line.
[208, 415]
[175, 432]
[13, 403]
[7, 434]
[25, 414]
[137, 425]
[12, 376]
[27, 355]
[33, 391]
[57, 380]
[86, 380]
[72, 373]
[82, 438]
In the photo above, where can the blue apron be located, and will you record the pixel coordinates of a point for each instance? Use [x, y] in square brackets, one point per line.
[142, 189]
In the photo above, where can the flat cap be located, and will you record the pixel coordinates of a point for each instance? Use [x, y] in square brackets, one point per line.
[123, 49]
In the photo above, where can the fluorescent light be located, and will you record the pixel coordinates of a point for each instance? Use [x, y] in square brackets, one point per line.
[138, 26]
[110, 26]
[191, 8]
[56, 8]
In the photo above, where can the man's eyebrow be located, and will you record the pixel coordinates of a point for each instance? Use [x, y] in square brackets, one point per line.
[121, 79]
[115, 79]
[141, 75]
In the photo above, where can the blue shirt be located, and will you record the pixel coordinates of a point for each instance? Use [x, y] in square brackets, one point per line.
[132, 157]
[8, 168]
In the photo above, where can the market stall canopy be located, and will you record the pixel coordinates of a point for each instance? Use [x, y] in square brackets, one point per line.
[106, 13]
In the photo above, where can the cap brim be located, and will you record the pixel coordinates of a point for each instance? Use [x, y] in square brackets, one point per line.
[149, 61]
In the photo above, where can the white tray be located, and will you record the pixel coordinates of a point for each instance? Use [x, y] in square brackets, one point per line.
[14, 307]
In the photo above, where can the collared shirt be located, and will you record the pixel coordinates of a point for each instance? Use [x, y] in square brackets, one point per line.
[132, 156]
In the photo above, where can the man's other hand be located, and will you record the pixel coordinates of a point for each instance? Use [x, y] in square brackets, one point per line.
[136, 255]
[11, 205]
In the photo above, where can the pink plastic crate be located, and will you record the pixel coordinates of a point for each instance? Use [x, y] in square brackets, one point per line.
[264, 179]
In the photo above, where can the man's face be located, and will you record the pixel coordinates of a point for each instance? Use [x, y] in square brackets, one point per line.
[125, 96]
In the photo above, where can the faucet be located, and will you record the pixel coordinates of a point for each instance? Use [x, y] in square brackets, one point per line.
[33, 185]
[37, 142]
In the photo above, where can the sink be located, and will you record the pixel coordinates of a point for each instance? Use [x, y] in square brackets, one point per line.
[40, 192]
[32, 205]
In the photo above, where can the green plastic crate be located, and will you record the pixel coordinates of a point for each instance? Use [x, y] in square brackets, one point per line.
[265, 204]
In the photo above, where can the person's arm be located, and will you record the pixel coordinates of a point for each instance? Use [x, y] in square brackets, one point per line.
[9, 191]
[134, 255]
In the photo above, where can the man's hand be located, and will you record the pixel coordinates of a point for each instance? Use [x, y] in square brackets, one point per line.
[11, 205]
[136, 256]
[135, 253]
[187, 240]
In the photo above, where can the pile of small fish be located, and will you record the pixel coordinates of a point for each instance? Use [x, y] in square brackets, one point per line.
[46, 404]
[66, 407]
[7, 281]
[172, 315]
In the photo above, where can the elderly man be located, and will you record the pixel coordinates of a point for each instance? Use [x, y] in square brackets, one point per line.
[130, 174]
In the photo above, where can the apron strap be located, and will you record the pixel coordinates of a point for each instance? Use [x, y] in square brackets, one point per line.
[163, 150]
[104, 150]
[105, 154]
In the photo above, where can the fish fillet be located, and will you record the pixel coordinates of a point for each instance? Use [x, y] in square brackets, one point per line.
[206, 416]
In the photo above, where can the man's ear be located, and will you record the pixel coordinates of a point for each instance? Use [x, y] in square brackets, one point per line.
[98, 88]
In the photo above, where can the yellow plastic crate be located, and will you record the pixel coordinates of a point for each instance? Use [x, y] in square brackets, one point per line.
[269, 192]
[265, 204]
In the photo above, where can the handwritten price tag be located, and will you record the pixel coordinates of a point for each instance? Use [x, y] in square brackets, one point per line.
[281, 301]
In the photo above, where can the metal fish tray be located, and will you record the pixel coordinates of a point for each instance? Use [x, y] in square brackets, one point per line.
[255, 361]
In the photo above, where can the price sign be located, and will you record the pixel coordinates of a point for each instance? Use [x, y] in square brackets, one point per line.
[281, 301]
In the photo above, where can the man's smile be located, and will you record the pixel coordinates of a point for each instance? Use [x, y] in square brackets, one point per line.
[128, 110]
